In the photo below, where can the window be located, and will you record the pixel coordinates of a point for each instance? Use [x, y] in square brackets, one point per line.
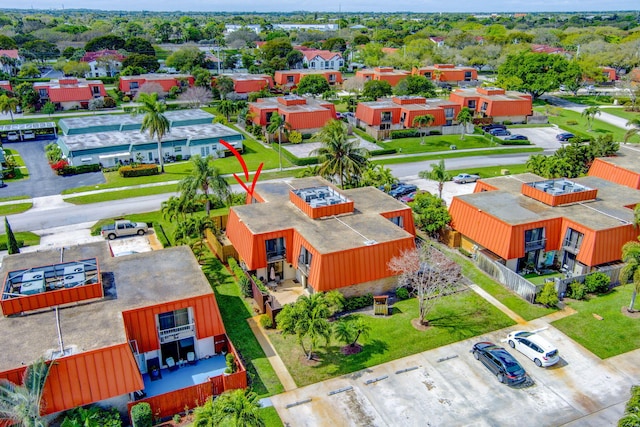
[403, 116]
[427, 74]
[177, 149]
[134, 85]
[448, 122]
[326, 64]
[150, 156]
[304, 259]
[484, 106]
[386, 116]
[276, 249]
[173, 319]
[397, 220]
[204, 151]
[43, 93]
[572, 240]
[471, 104]
[340, 63]
[449, 113]
[96, 90]
[290, 78]
[534, 239]
[467, 76]
[385, 126]
[313, 64]
[332, 77]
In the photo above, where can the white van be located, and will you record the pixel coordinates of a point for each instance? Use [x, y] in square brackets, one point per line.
[13, 136]
[28, 134]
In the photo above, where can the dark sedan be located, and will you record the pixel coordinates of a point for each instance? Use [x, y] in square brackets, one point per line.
[565, 136]
[516, 137]
[498, 360]
[403, 190]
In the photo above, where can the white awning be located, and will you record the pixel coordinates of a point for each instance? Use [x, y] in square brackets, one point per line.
[111, 156]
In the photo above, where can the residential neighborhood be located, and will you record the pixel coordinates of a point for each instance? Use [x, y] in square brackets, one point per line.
[320, 218]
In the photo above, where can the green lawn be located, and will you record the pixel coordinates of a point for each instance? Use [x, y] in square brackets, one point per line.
[270, 417]
[454, 154]
[510, 299]
[581, 128]
[615, 334]
[454, 318]
[540, 279]
[491, 171]
[122, 194]
[29, 238]
[436, 143]
[590, 100]
[620, 112]
[15, 208]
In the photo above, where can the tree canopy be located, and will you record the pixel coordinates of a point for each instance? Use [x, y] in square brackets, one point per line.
[314, 84]
[416, 85]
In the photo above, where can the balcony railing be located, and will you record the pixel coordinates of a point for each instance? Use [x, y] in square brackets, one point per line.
[275, 255]
[177, 333]
[535, 245]
[571, 246]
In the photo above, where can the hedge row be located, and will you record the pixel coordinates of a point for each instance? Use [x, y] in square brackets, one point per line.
[405, 133]
[383, 151]
[514, 142]
[632, 410]
[140, 170]
[296, 160]
[76, 170]
[355, 303]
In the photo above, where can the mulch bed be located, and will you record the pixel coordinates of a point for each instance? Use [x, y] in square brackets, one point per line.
[348, 349]
[419, 326]
[632, 314]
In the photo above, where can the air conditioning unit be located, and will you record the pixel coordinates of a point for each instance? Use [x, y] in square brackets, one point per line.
[32, 283]
[74, 269]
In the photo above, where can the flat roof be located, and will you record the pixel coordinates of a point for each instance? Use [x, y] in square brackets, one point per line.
[330, 234]
[509, 205]
[130, 119]
[429, 104]
[130, 282]
[26, 126]
[509, 95]
[627, 158]
[310, 106]
[90, 141]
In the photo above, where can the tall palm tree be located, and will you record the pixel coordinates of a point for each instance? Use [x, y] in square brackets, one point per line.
[634, 130]
[590, 113]
[154, 120]
[205, 176]
[227, 108]
[236, 408]
[9, 105]
[464, 117]
[22, 403]
[339, 156]
[313, 322]
[276, 124]
[439, 174]
[423, 122]
[631, 270]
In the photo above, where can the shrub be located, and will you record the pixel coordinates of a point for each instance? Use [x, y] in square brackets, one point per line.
[100, 416]
[307, 136]
[231, 363]
[548, 296]
[576, 290]
[572, 122]
[126, 99]
[260, 285]
[141, 415]
[355, 303]
[632, 409]
[141, 170]
[245, 286]
[295, 137]
[405, 133]
[266, 322]
[59, 166]
[464, 252]
[160, 233]
[507, 122]
[402, 293]
[513, 142]
[597, 282]
[76, 170]
[109, 102]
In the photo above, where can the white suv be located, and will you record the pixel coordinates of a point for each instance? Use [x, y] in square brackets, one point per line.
[534, 347]
[28, 134]
[13, 136]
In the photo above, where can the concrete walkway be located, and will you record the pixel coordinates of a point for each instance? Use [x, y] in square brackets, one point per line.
[579, 108]
[276, 362]
[503, 308]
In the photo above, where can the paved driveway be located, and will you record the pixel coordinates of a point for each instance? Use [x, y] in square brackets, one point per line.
[543, 137]
[42, 180]
[448, 387]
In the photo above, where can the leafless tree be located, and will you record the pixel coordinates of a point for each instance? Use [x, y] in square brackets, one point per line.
[151, 87]
[196, 96]
[429, 273]
[354, 85]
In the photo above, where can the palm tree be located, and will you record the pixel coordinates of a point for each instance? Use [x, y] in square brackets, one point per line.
[276, 124]
[9, 105]
[205, 176]
[422, 122]
[439, 174]
[339, 156]
[590, 113]
[227, 108]
[154, 120]
[465, 116]
[233, 408]
[307, 320]
[635, 128]
[176, 207]
[22, 403]
[349, 331]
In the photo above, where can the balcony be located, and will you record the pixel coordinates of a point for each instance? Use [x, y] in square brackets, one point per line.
[571, 246]
[534, 245]
[177, 333]
[276, 255]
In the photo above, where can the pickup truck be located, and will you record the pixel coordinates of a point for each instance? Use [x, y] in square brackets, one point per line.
[123, 228]
[464, 178]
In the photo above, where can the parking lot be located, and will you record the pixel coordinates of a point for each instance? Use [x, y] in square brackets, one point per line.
[448, 387]
[543, 137]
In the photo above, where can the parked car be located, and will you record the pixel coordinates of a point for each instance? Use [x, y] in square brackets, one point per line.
[13, 136]
[535, 347]
[565, 136]
[123, 228]
[487, 128]
[499, 132]
[392, 186]
[464, 178]
[28, 134]
[409, 197]
[402, 190]
[516, 137]
[498, 360]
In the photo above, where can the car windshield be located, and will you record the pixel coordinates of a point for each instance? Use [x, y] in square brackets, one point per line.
[510, 364]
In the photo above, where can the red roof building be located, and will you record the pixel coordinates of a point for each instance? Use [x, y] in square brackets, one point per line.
[305, 115]
[316, 59]
[290, 78]
[383, 116]
[144, 325]
[530, 222]
[246, 83]
[103, 63]
[10, 68]
[6, 85]
[543, 48]
[70, 92]
[496, 103]
[609, 74]
[324, 238]
[387, 74]
[130, 85]
[447, 73]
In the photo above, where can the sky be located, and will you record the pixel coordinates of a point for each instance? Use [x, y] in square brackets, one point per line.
[343, 5]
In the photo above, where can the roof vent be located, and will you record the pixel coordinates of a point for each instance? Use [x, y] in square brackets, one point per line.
[370, 242]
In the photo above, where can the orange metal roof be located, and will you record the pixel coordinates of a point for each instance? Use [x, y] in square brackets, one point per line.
[623, 169]
[305, 113]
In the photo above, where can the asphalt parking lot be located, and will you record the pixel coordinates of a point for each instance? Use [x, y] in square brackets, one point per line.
[543, 137]
[448, 387]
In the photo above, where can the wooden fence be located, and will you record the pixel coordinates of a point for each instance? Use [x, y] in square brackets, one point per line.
[261, 298]
[506, 277]
[223, 250]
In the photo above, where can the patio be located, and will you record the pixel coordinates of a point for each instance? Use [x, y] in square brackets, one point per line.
[287, 291]
[185, 376]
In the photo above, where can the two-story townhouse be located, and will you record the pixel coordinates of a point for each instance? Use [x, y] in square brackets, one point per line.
[303, 114]
[130, 85]
[447, 73]
[103, 63]
[70, 92]
[496, 103]
[289, 79]
[387, 74]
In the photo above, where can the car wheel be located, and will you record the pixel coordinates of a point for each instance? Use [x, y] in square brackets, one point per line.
[476, 355]
[112, 236]
[140, 232]
[500, 377]
[512, 344]
[537, 362]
